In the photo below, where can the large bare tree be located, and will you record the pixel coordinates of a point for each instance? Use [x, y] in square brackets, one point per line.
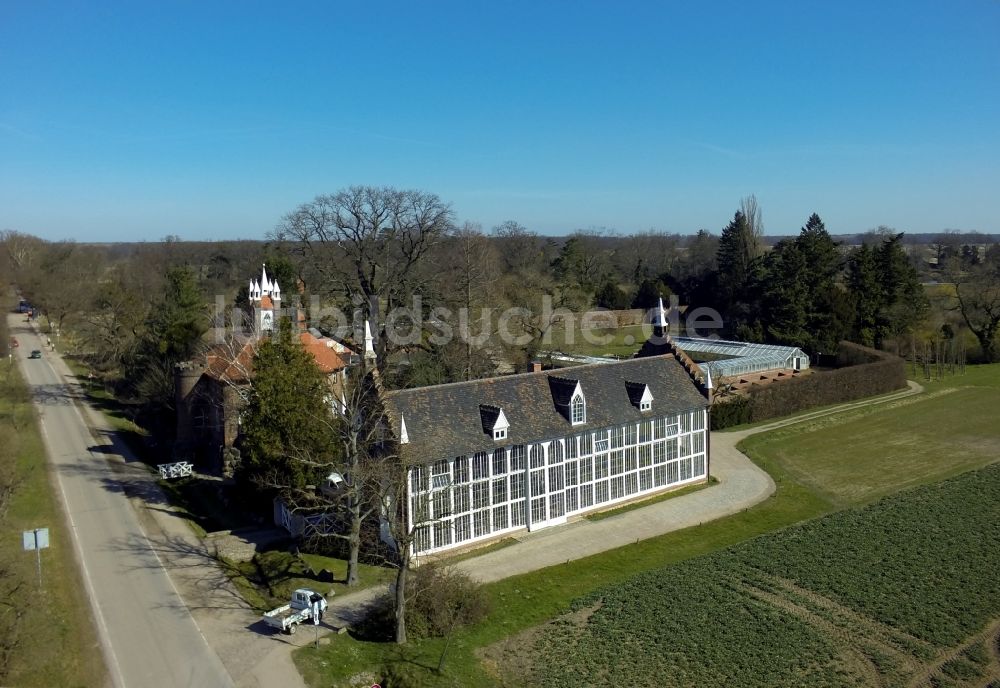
[977, 299]
[366, 243]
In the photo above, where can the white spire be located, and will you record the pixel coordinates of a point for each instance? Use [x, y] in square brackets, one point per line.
[369, 341]
[404, 437]
[256, 290]
[265, 285]
[250, 290]
[661, 317]
[708, 377]
[275, 289]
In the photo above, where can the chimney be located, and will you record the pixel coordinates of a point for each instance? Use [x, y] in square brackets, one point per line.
[535, 367]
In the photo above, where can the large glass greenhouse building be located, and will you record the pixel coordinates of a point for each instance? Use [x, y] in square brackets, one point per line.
[731, 359]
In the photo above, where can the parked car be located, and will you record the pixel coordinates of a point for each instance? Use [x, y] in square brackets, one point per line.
[35, 354]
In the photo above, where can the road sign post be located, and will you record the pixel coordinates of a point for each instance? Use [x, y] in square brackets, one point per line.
[37, 539]
[315, 620]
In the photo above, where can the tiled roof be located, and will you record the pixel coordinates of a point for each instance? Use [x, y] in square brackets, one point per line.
[327, 360]
[266, 303]
[446, 420]
[226, 363]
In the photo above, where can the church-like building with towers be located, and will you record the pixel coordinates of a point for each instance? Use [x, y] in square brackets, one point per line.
[210, 390]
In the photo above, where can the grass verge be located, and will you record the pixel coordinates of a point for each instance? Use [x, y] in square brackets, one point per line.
[56, 642]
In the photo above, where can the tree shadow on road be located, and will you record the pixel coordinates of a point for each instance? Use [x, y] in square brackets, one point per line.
[203, 576]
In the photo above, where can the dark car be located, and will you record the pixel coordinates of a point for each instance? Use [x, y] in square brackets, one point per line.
[35, 354]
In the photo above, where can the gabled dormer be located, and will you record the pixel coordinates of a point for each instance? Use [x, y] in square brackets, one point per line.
[494, 421]
[639, 395]
[567, 395]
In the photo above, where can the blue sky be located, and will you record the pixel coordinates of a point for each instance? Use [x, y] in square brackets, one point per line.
[128, 121]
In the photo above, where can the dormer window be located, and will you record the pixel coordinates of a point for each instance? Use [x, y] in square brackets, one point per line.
[578, 409]
[567, 394]
[639, 395]
[494, 421]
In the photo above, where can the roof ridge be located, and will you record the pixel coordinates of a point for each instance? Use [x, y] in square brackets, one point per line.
[547, 373]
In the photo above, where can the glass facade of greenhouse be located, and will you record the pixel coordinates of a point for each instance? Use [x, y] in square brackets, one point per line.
[731, 359]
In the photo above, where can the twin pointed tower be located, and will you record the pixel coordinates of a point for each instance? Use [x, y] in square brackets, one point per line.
[265, 296]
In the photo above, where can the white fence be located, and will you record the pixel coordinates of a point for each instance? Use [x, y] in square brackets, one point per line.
[179, 469]
[303, 526]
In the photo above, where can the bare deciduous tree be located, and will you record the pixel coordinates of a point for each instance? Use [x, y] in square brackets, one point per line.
[368, 241]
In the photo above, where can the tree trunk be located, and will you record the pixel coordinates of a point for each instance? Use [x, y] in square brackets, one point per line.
[354, 542]
[401, 598]
[988, 343]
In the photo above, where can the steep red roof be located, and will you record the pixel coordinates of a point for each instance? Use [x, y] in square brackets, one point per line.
[327, 360]
[232, 363]
[266, 303]
[227, 363]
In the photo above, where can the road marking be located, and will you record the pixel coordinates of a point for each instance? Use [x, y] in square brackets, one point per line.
[109, 650]
[86, 427]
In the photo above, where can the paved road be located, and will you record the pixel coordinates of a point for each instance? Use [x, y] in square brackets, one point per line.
[148, 636]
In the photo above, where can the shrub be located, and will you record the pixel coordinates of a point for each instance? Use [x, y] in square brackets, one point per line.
[438, 599]
[864, 372]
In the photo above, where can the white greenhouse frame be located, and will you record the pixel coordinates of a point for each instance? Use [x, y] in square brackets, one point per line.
[742, 358]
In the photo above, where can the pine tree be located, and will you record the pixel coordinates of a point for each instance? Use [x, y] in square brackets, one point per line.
[172, 333]
[824, 321]
[903, 300]
[786, 295]
[866, 293]
[287, 441]
[739, 275]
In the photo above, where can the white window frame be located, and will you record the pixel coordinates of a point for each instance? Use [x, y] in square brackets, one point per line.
[500, 434]
[578, 402]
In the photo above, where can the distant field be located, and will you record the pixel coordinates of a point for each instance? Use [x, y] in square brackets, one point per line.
[620, 341]
[899, 593]
[855, 457]
[55, 641]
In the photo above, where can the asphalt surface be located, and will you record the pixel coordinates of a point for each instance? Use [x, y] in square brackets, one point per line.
[148, 635]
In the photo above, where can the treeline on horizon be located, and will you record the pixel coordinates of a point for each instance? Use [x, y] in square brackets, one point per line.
[610, 236]
[132, 311]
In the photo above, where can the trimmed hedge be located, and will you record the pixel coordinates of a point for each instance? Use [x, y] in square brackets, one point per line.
[863, 372]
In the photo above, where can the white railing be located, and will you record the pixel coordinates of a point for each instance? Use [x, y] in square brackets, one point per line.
[179, 469]
[298, 525]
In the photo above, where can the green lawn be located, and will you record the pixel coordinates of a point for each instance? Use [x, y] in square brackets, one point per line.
[270, 578]
[858, 456]
[56, 643]
[526, 601]
[619, 341]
